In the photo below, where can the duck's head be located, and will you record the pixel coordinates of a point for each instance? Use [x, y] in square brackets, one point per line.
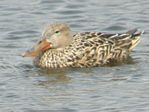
[57, 35]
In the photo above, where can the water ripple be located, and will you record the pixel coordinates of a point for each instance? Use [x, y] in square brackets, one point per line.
[26, 88]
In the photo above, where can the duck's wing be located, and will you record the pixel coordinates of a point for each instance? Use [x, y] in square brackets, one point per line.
[126, 40]
[100, 47]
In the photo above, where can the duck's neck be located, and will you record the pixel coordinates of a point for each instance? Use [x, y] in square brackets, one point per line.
[67, 40]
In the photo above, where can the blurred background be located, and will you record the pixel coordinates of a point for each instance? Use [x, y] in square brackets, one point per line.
[25, 88]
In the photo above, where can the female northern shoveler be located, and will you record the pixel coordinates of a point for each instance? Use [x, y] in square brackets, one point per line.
[60, 48]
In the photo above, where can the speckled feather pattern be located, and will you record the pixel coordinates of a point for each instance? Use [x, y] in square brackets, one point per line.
[89, 49]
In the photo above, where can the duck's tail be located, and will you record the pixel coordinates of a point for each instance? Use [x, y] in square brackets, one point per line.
[135, 37]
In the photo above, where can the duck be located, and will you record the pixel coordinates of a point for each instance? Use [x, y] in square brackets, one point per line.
[59, 47]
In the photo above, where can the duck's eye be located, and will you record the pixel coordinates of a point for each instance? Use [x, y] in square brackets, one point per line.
[57, 31]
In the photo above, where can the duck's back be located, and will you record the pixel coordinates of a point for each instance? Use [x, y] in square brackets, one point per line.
[93, 49]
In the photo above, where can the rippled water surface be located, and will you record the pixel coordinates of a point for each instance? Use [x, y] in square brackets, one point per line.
[25, 88]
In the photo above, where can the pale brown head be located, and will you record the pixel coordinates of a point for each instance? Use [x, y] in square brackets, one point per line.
[56, 35]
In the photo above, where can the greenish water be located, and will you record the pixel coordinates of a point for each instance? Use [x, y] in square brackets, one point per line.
[25, 88]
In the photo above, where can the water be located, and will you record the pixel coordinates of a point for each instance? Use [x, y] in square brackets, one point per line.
[25, 88]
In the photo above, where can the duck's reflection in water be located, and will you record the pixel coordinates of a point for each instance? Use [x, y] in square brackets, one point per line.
[53, 77]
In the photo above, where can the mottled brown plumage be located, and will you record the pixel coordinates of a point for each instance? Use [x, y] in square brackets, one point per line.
[60, 48]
